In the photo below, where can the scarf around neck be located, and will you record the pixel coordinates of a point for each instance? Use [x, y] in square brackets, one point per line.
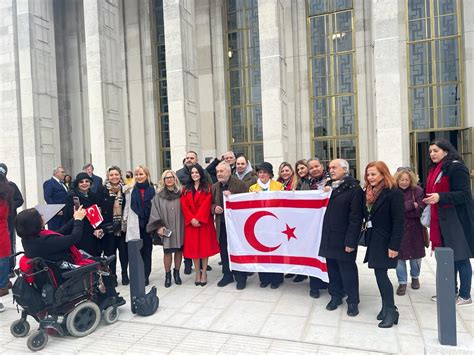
[372, 193]
[142, 207]
[264, 187]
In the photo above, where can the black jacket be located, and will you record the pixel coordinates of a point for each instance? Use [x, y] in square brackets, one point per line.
[387, 218]
[342, 221]
[54, 247]
[456, 213]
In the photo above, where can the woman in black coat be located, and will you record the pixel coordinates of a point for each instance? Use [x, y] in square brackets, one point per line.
[81, 195]
[452, 212]
[385, 217]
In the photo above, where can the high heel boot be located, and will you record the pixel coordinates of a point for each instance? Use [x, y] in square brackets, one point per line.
[381, 314]
[391, 318]
[177, 279]
[168, 279]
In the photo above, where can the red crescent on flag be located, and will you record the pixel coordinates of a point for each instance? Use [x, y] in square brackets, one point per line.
[249, 231]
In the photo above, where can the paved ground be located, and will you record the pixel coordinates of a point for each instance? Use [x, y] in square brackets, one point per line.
[223, 320]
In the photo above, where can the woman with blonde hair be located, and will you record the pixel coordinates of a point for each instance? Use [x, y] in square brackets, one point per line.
[136, 213]
[287, 177]
[166, 217]
[385, 221]
[412, 247]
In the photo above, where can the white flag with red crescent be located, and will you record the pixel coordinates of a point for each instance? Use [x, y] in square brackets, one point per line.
[278, 231]
[94, 216]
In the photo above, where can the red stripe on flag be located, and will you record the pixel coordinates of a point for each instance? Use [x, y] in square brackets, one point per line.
[241, 205]
[278, 259]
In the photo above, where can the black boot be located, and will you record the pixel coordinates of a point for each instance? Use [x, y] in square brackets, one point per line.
[177, 279]
[168, 279]
[391, 318]
[125, 279]
[381, 314]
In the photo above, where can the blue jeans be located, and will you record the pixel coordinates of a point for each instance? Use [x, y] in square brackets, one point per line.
[4, 270]
[464, 268]
[415, 266]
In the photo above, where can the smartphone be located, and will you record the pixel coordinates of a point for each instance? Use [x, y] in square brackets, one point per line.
[76, 202]
[167, 233]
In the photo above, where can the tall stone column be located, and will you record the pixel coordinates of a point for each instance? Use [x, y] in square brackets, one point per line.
[271, 27]
[468, 34]
[390, 88]
[182, 78]
[36, 94]
[104, 83]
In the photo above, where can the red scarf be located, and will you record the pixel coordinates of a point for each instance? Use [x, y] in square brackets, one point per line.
[436, 187]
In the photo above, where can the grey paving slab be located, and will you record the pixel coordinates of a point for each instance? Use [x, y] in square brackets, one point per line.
[213, 320]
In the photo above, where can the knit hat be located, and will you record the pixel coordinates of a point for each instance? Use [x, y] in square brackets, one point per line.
[81, 176]
[265, 166]
[3, 169]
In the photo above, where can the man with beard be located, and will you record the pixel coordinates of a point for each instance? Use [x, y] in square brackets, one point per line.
[226, 184]
[341, 228]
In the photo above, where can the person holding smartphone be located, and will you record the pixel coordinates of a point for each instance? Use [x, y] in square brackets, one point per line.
[166, 224]
[81, 195]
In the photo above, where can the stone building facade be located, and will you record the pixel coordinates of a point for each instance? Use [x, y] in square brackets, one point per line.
[129, 82]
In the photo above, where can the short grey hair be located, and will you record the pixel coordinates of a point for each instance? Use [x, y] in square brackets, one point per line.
[313, 159]
[226, 165]
[55, 170]
[345, 165]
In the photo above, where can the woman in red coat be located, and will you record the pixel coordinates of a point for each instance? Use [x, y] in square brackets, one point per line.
[6, 194]
[200, 241]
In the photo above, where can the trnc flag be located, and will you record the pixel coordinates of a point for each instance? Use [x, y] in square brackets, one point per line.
[276, 232]
[94, 216]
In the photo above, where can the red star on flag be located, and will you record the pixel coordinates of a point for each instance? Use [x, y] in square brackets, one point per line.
[290, 232]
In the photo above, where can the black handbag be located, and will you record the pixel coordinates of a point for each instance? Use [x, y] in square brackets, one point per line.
[363, 233]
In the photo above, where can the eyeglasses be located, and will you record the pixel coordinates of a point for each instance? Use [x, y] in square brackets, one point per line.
[403, 168]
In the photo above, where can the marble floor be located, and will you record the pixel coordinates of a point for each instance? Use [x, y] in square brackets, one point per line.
[210, 319]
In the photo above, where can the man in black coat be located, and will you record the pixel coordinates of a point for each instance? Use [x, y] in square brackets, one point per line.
[96, 180]
[227, 184]
[341, 228]
[55, 192]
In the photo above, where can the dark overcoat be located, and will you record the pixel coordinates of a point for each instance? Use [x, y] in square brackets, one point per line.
[456, 213]
[343, 221]
[413, 245]
[235, 186]
[387, 218]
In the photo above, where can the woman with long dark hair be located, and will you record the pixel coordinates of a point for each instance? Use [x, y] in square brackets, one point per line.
[111, 201]
[385, 214]
[448, 192]
[6, 202]
[200, 241]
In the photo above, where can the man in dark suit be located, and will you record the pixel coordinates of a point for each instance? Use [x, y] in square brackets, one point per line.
[341, 228]
[96, 180]
[55, 192]
[227, 184]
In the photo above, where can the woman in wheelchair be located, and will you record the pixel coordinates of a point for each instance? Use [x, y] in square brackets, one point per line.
[58, 248]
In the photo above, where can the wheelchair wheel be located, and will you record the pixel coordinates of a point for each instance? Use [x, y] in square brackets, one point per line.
[83, 319]
[38, 340]
[110, 315]
[20, 328]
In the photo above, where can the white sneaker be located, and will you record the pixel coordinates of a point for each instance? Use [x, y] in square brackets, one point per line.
[463, 302]
[2, 308]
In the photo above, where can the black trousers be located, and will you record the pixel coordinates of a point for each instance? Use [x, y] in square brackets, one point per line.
[385, 287]
[238, 275]
[146, 251]
[343, 278]
[315, 284]
[274, 278]
[109, 245]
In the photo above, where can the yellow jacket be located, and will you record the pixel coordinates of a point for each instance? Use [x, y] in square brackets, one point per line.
[274, 186]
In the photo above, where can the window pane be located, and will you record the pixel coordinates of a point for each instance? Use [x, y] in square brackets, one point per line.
[345, 115]
[323, 149]
[322, 119]
[443, 7]
[446, 25]
[346, 149]
[256, 122]
[420, 63]
[319, 38]
[418, 9]
[317, 7]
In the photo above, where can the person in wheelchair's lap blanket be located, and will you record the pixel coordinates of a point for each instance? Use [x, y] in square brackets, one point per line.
[54, 247]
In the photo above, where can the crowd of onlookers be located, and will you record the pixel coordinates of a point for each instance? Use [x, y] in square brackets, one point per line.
[183, 213]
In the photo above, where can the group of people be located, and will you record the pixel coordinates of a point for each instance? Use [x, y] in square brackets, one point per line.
[184, 213]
